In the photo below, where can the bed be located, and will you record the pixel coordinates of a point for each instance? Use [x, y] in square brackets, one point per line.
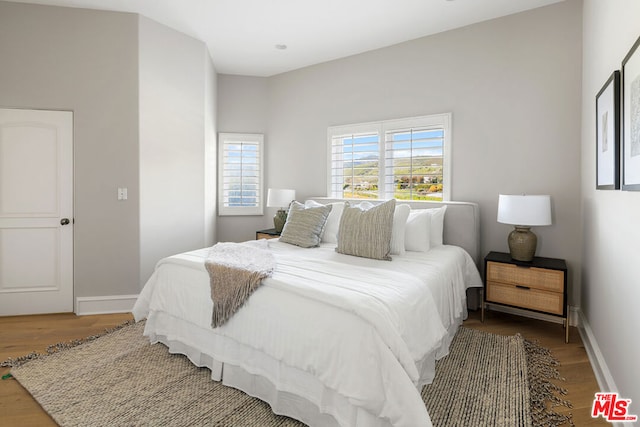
[329, 339]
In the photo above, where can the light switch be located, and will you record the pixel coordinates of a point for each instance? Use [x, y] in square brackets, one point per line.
[122, 193]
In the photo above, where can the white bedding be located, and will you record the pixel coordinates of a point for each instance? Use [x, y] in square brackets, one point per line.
[357, 338]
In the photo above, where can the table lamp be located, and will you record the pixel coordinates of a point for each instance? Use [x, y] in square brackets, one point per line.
[523, 212]
[280, 198]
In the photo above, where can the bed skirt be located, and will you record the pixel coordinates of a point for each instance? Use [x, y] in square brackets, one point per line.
[288, 390]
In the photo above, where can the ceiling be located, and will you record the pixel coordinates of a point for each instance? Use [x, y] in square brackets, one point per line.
[242, 35]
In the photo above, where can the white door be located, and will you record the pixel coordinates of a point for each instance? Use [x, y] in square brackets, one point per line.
[36, 211]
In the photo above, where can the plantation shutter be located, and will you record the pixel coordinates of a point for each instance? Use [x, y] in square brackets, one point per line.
[405, 159]
[355, 165]
[414, 163]
[240, 174]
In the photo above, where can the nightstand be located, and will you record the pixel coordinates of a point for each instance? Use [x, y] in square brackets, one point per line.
[269, 233]
[539, 285]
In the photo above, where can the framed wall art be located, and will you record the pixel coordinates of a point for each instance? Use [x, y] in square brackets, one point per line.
[631, 119]
[608, 134]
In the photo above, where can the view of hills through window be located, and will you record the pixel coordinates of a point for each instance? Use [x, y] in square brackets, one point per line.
[410, 170]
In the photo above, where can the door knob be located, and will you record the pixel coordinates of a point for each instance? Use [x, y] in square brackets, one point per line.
[64, 221]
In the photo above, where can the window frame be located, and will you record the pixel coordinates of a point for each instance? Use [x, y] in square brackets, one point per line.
[253, 138]
[381, 128]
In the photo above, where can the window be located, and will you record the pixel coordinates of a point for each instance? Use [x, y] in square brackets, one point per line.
[240, 174]
[355, 160]
[406, 159]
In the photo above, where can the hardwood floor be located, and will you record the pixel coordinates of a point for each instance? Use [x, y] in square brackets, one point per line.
[20, 335]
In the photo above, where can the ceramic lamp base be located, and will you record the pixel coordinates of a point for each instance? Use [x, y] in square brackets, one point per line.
[522, 244]
[279, 219]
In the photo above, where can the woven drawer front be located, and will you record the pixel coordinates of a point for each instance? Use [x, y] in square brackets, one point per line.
[550, 302]
[266, 236]
[538, 278]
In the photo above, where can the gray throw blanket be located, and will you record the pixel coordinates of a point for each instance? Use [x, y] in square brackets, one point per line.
[236, 270]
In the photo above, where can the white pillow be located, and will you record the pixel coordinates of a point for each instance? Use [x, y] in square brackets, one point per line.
[437, 225]
[330, 233]
[363, 206]
[417, 231]
[400, 216]
[431, 220]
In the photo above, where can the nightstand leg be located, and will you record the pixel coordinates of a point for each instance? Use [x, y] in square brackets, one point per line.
[566, 337]
[482, 306]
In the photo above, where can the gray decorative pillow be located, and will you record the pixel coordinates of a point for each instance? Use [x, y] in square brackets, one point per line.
[304, 226]
[367, 233]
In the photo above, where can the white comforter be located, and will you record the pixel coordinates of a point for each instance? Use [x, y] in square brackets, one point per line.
[366, 329]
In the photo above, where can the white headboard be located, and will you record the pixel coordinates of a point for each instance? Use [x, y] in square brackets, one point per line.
[461, 222]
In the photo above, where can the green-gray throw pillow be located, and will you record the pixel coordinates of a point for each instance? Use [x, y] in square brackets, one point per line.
[304, 226]
[367, 233]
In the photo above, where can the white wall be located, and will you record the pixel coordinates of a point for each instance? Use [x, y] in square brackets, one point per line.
[173, 84]
[85, 61]
[144, 103]
[210, 158]
[243, 108]
[513, 85]
[611, 232]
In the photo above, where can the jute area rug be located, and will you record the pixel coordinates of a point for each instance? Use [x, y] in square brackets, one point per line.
[119, 379]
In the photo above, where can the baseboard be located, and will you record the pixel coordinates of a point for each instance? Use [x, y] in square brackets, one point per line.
[105, 305]
[599, 365]
[573, 314]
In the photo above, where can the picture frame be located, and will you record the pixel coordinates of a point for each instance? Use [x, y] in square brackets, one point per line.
[608, 134]
[631, 119]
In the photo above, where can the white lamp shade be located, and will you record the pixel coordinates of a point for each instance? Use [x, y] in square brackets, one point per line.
[526, 210]
[279, 197]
